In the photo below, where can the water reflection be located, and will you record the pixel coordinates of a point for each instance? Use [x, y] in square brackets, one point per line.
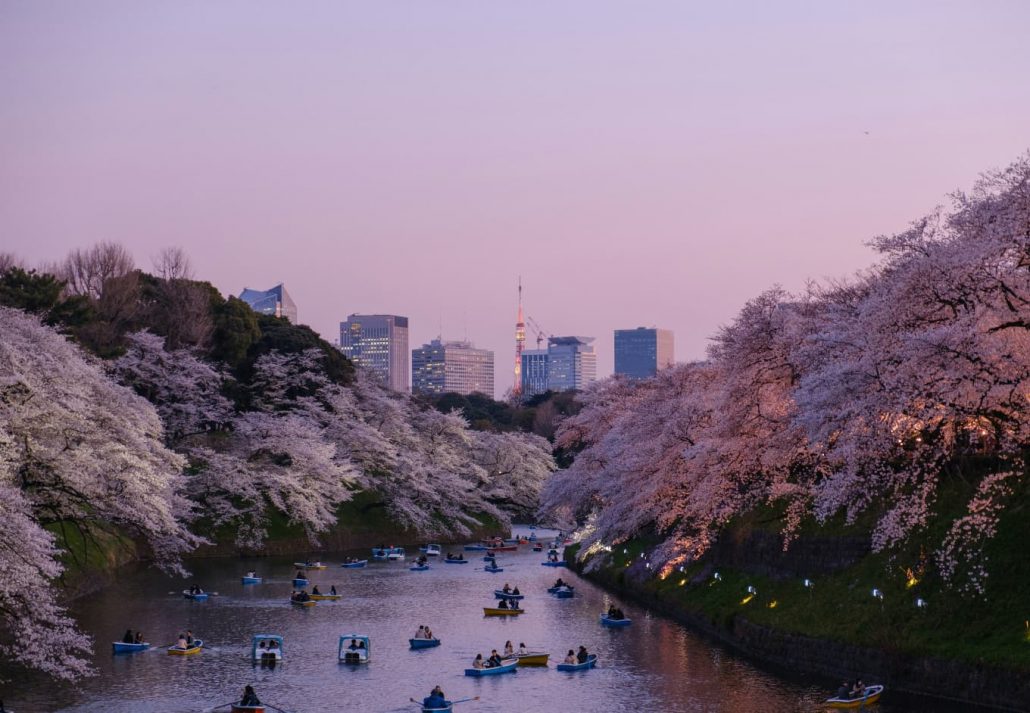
[653, 665]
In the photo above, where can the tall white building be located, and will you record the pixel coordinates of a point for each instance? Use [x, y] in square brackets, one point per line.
[378, 342]
[452, 367]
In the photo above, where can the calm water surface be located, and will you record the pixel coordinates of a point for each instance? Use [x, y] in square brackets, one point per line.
[653, 665]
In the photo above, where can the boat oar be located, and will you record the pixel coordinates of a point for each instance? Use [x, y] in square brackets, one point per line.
[460, 700]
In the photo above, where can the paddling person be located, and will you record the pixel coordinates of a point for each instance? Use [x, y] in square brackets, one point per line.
[494, 661]
[506, 588]
[560, 583]
[844, 692]
[581, 657]
[314, 590]
[435, 700]
[249, 697]
[127, 639]
[570, 657]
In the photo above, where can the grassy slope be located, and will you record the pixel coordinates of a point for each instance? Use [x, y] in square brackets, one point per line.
[841, 606]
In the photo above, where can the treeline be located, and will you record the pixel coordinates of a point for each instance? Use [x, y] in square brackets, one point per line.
[855, 397]
[146, 403]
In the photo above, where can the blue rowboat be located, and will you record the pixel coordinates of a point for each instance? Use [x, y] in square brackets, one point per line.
[202, 597]
[552, 590]
[532, 527]
[300, 582]
[493, 569]
[354, 565]
[475, 548]
[423, 643]
[120, 647]
[419, 568]
[589, 663]
[564, 593]
[450, 561]
[559, 563]
[605, 621]
[250, 580]
[501, 594]
[507, 666]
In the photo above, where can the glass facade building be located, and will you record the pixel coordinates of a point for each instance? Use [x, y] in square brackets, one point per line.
[534, 372]
[567, 363]
[379, 343]
[641, 352]
[275, 302]
[452, 367]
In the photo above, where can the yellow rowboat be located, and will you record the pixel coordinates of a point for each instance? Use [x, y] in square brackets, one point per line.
[870, 696]
[325, 597]
[532, 658]
[309, 603]
[492, 611]
[193, 648]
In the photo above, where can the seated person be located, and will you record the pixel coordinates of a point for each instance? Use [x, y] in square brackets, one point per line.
[522, 648]
[139, 637]
[478, 661]
[250, 573]
[509, 650]
[429, 633]
[127, 639]
[314, 590]
[299, 575]
[560, 582]
[571, 657]
[435, 701]
[506, 589]
[516, 591]
[844, 691]
[332, 590]
[503, 604]
[581, 657]
[494, 661]
[181, 643]
[421, 633]
[249, 697]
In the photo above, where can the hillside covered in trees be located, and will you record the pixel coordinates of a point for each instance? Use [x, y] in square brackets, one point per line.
[855, 400]
[148, 405]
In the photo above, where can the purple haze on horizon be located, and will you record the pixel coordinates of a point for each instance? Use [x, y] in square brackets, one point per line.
[636, 168]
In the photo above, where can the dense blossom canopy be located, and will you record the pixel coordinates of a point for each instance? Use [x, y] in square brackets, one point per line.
[848, 397]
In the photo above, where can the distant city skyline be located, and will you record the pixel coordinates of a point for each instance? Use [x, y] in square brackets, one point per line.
[415, 159]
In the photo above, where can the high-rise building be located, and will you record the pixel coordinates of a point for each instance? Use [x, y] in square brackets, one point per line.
[378, 342]
[452, 367]
[641, 352]
[571, 363]
[534, 372]
[275, 301]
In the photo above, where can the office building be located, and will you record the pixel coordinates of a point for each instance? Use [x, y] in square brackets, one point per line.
[567, 363]
[275, 302]
[379, 343]
[452, 367]
[641, 352]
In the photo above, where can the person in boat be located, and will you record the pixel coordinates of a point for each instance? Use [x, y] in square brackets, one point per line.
[299, 575]
[189, 637]
[844, 691]
[859, 690]
[509, 650]
[582, 655]
[495, 659]
[262, 645]
[127, 639]
[273, 646]
[560, 583]
[251, 574]
[249, 697]
[516, 591]
[139, 637]
[421, 633]
[506, 588]
[182, 643]
[332, 590]
[514, 603]
[435, 701]
[429, 633]
[571, 657]
[314, 590]
[478, 661]
[503, 604]
[522, 648]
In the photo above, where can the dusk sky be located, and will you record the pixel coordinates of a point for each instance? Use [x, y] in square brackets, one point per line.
[637, 163]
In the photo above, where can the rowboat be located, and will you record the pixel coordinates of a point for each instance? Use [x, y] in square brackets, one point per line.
[308, 603]
[431, 550]
[250, 580]
[553, 590]
[564, 593]
[559, 563]
[397, 553]
[453, 561]
[494, 611]
[532, 658]
[354, 565]
[532, 527]
[193, 648]
[325, 597]
[361, 654]
[310, 565]
[488, 568]
[507, 666]
[538, 548]
[120, 647]
[201, 597]
[419, 567]
[605, 621]
[475, 548]
[870, 695]
[423, 643]
[445, 709]
[501, 594]
[589, 663]
[300, 582]
[379, 555]
[272, 650]
[237, 708]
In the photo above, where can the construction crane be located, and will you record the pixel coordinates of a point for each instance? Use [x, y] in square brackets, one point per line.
[540, 331]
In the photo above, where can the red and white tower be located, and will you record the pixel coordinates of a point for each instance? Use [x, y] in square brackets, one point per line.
[520, 340]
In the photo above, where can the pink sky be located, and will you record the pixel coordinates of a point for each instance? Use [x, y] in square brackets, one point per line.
[637, 164]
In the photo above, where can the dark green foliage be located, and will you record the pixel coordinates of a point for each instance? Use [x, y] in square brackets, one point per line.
[235, 330]
[30, 290]
[540, 414]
